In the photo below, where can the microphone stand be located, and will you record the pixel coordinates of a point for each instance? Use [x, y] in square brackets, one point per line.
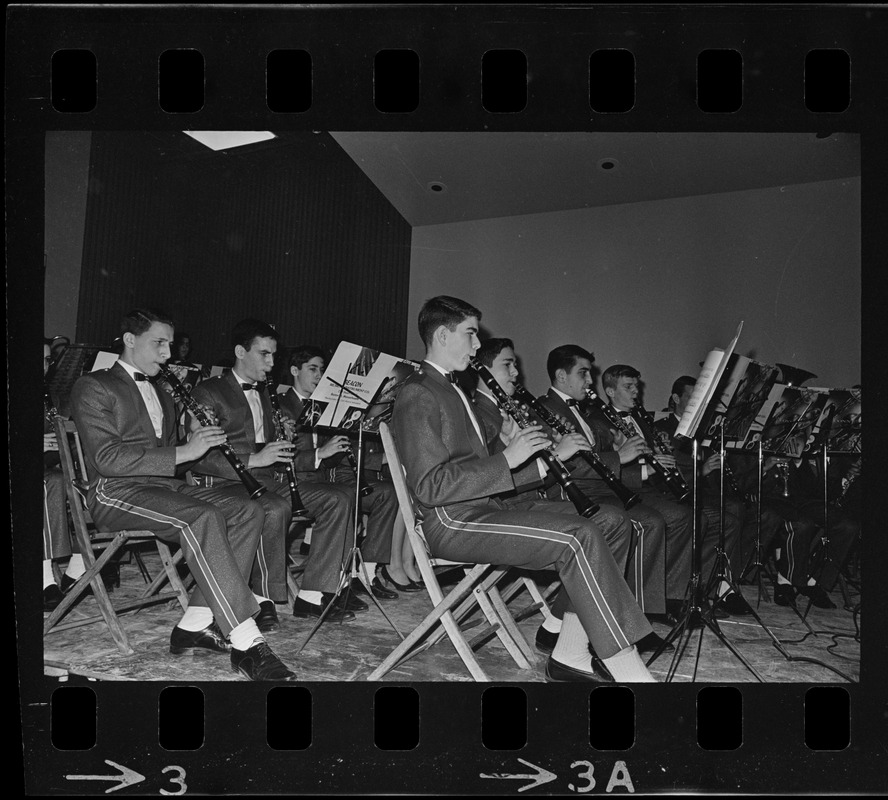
[352, 561]
[693, 610]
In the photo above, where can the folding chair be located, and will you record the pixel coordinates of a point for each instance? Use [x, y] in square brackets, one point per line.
[109, 543]
[477, 588]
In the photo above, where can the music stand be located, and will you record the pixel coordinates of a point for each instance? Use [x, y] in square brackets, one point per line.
[352, 561]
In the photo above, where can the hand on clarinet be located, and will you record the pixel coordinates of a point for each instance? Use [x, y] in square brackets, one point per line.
[666, 460]
[272, 453]
[570, 444]
[632, 448]
[711, 464]
[336, 445]
[528, 441]
[50, 442]
[200, 441]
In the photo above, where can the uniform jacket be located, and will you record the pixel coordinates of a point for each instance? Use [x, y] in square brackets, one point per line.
[116, 430]
[224, 395]
[446, 462]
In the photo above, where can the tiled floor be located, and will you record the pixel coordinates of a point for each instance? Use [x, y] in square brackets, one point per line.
[350, 651]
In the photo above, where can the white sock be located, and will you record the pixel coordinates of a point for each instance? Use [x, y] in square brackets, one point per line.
[245, 635]
[812, 582]
[552, 624]
[572, 647]
[260, 598]
[781, 579]
[76, 567]
[724, 589]
[627, 667]
[369, 569]
[196, 618]
[309, 596]
[48, 576]
[307, 537]
[777, 552]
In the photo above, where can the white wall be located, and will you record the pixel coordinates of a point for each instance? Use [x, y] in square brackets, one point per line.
[658, 284]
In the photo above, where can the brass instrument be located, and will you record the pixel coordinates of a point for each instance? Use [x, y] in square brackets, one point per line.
[851, 476]
[781, 472]
[584, 506]
[626, 495]
[253, 487]
[672, 477]
[297, 507]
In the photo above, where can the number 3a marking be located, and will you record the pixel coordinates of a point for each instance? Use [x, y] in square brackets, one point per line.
[587, 775]
[180, 779]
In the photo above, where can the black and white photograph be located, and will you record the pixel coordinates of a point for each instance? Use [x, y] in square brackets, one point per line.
[534, 500]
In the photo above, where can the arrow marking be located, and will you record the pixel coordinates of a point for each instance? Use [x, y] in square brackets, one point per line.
[542, 776]
[127, 777]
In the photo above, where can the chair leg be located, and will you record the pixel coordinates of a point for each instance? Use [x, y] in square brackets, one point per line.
[169, 565]
[504, 634]
[442, 607]
[92, 577]
[292, 586]
[512, 629]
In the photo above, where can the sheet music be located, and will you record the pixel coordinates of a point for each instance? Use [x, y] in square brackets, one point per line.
[710, 374]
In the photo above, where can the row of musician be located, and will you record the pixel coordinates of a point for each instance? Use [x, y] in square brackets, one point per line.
[603, 451]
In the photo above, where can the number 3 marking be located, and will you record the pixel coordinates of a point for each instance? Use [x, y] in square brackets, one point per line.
[180, 779]
[587, 775]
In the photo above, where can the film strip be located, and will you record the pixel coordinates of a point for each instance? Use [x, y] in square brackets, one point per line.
[611, 69]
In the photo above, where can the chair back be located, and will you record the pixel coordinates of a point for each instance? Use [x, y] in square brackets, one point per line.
[405, 499]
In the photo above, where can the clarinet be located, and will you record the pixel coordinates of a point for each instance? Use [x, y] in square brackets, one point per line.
[584, 506]
[253, 487]
[626, 495]
[672, 477]
[296, 505]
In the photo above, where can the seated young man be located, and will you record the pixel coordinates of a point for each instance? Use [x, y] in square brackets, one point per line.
[128, 430]
[238, 402]
[455, 480]
[380, 504]
[708, 485]
[498, 355]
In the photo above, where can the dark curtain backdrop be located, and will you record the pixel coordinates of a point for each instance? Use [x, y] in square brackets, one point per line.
[293, 233]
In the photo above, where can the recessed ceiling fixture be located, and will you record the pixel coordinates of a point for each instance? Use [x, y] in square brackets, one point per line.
[437, 187]
[225, 140]
[608, 164]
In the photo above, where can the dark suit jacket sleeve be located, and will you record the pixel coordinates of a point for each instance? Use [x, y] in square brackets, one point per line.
[209, 393]
[109, 427]
[441, 472]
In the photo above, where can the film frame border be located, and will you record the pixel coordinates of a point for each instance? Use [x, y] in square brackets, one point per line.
[450, 41]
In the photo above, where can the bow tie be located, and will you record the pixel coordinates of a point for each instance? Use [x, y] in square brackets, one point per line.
[625, 414]
[573, 403]
[141, 376]
[259, 387]
[451, 376]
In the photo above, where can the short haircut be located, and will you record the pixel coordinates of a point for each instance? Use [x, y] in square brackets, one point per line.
[305, 352]
[679, 386]
[247, 330]
[612, 375]
[565, 357]
[140, 320]
[443, 310]
[491, 348]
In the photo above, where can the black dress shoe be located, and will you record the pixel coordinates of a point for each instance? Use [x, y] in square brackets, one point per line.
[379, 591]
[556, 672]
[413, 586]
[350, 601]
[734, 605]
[304, 548]
[267, 618]
[307, 610]
[817, 596]
[52, 596]
[784, 594]
[259, 663]
[67, 582]
[545, 640]
[651, 642]
[210, 639]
